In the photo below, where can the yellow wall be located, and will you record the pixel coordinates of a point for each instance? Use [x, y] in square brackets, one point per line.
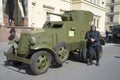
[1, 13]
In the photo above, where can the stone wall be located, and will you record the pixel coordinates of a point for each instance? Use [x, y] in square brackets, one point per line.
[4, 31]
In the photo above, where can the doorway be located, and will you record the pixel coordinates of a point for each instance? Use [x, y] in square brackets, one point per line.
[15, 12]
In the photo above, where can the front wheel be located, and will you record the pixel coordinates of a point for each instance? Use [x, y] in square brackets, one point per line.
[40, 62]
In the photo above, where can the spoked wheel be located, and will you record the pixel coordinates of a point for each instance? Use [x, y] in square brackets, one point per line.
[12, 62]
[62, 52]
[40, 62]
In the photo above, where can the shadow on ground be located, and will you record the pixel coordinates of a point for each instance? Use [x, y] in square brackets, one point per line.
[22, 68]
[117, 56]
[75, 58]
[117, 45]
[25, 68]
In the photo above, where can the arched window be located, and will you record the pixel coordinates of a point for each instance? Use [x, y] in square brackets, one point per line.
[4, 6]
[112, 1]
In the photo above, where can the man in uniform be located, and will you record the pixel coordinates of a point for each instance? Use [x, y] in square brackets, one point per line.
[93, 45]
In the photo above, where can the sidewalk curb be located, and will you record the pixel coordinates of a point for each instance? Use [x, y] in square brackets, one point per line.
[3, 42]
[106, 45]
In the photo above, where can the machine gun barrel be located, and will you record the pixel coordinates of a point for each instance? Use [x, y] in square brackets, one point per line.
[62, 16]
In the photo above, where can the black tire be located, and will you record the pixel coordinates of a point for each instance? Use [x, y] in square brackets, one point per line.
[84, 55]
[62, 52]
[101, 52]
[12, 62]
[40, 62]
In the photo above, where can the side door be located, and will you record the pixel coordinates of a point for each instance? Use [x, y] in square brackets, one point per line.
[74, 35]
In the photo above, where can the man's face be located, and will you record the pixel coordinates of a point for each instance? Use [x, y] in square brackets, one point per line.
[93, 28]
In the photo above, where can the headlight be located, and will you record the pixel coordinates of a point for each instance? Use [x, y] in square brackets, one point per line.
[32, 40]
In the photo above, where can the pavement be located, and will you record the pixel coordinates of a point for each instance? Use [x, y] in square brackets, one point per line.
[70, 70]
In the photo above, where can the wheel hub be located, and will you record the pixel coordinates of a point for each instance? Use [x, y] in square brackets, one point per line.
[62, 52]
[42, 62]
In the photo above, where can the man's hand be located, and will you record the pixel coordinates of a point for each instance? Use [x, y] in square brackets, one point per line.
[92, 40]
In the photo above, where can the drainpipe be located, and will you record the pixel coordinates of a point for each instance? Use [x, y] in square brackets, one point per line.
[1, 13]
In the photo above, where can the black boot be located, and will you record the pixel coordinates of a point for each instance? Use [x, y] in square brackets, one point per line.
[97, 62]
[90, 61]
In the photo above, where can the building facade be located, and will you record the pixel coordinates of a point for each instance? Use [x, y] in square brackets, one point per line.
[37, 9]
[112, 13]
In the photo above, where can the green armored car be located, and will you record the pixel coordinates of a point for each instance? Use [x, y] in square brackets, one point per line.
[53, 43]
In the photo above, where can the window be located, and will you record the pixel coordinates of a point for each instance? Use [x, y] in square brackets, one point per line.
[98, 2]
[72, 32]
[111, 18]
[94, 21]
[47, 17]
[57, 26]
[112, 1]
[4, 7]
[112, 9]
[95, 1]
[97, 23]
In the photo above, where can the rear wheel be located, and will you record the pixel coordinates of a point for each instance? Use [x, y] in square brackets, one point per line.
[84, 55]
[62, 52]
[40, 62]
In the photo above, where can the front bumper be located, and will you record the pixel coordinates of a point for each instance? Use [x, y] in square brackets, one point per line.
[17, 58]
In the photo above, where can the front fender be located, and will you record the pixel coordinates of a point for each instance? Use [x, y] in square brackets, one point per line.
[14, 44]
[38, 47]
